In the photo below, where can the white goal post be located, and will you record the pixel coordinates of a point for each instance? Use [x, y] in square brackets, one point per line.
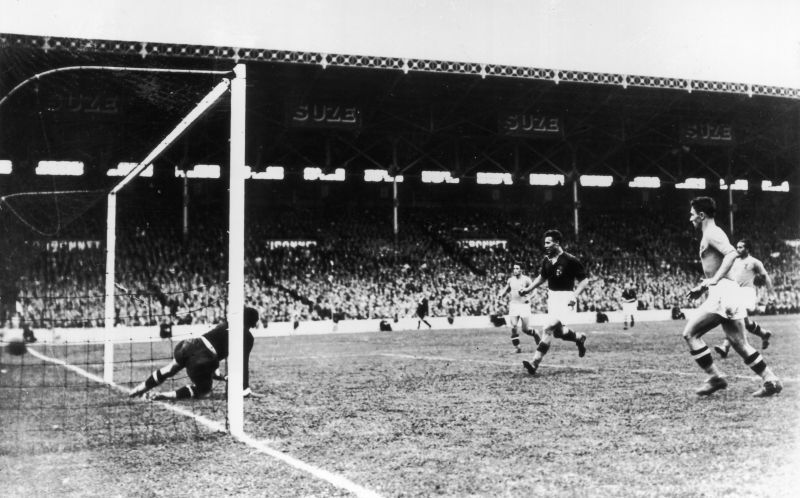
[236, 253]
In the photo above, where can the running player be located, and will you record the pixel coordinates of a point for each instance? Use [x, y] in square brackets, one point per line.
[721, 307]
[560, 270]
[747, 271]
[519, 305]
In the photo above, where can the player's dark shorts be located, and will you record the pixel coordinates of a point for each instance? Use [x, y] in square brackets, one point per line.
[199, 362]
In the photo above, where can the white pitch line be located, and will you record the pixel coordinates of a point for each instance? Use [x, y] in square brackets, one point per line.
[335, 479]
[73, 368]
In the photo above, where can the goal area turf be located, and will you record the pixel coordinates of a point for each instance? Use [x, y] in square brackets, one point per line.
[415, 413]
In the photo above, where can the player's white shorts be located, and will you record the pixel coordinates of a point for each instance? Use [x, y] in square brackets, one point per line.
[522, 310]
[558, 304]
[629, 308]
[725, 300]
[749, 298]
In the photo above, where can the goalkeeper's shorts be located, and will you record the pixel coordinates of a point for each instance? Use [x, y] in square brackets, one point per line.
[199, 361]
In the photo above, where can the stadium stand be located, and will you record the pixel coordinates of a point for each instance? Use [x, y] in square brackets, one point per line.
[356, 270]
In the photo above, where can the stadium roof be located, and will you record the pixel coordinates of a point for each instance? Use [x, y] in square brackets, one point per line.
[383, 111]
[746, 41]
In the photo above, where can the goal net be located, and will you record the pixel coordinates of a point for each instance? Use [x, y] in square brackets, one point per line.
[104, 270]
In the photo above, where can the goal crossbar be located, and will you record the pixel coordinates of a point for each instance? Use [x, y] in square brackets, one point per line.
[49, 72]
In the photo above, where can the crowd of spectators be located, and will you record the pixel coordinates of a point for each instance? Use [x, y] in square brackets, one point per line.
[354, 267]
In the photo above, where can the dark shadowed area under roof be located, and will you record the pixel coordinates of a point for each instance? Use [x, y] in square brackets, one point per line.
[366, 112]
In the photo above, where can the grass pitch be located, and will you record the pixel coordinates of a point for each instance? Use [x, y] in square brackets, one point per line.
[433, 413]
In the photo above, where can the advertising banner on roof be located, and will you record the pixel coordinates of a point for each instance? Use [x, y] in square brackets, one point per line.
[530, 124]
[324, 115]
[707, 132]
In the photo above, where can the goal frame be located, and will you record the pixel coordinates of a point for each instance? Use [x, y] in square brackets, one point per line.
[235, 81]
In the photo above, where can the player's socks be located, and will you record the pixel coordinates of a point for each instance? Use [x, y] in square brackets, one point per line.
[754, 328]
[716, 381]
[515, 339]
[155, 379]
[703, 358]
[757, 364]
[532, 333]
[771, 383]
[541, 350]
[579, 340]
[632, 321]
[765, 339]
[581, 345]
[705, 361]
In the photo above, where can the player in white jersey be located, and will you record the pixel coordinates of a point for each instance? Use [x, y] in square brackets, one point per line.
[723, 306]
[519, 305]
[749, 273]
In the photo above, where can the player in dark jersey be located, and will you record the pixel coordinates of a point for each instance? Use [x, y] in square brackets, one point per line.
[422, 311]
[560, 270]
[200, 357]
[629, 303]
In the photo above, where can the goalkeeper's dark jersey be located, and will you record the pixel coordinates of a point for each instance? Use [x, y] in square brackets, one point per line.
[218, 337]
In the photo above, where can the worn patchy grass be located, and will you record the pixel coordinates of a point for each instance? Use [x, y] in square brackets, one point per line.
[423, 413]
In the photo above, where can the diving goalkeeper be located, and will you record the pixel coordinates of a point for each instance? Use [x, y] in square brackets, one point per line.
[200, 357]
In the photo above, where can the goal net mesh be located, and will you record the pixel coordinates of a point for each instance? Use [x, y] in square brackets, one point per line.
[170, 273]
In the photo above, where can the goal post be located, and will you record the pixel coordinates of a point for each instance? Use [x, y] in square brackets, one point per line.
[236, 253]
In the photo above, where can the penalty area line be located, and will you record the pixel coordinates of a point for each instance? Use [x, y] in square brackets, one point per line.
[334, 479]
